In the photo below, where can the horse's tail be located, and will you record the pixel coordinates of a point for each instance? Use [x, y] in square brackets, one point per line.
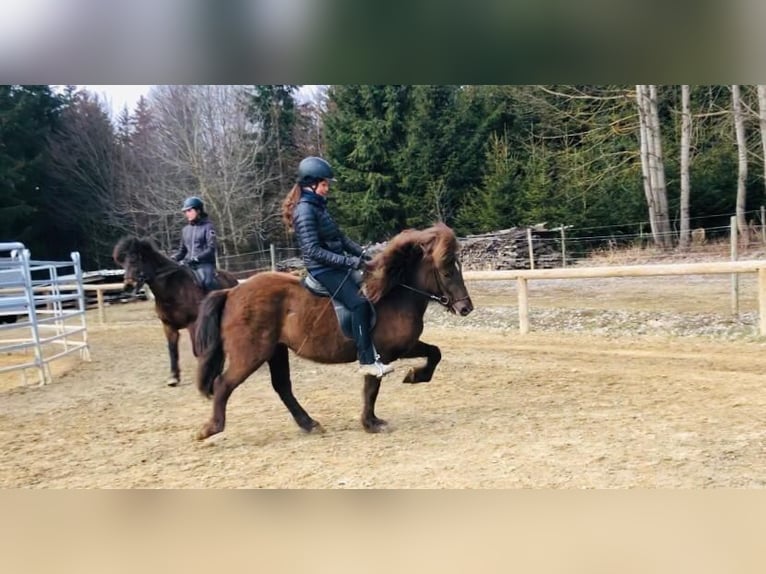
[208, 341]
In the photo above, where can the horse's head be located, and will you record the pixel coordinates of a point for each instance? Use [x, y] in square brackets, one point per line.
[441, 272]
[426, 262]
[135, 257]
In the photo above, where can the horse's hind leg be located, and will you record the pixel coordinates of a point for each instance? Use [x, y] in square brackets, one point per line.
[223, 386]
[279, 365]
[370, 422]
[171, 334]
[422, 374]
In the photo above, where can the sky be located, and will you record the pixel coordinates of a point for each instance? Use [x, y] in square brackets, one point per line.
[119, 96]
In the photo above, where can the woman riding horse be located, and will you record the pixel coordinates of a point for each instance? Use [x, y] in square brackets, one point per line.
[177, 294]
[257, 321]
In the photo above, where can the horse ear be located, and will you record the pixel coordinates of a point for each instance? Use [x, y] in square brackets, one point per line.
[427, 245]
[118, 254]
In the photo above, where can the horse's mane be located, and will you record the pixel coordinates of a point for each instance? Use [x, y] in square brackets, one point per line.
[396, 262]
[146, 247]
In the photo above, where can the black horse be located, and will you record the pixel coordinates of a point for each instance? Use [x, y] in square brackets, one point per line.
[177, 292]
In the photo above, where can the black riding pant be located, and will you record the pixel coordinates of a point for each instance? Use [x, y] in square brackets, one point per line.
[206, 274]
[345, 290]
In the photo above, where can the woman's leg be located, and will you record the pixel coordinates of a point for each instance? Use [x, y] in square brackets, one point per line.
[343, 288]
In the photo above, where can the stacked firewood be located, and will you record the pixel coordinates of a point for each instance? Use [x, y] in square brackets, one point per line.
[509, 249]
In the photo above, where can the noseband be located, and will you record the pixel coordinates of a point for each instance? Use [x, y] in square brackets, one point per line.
[441, 299]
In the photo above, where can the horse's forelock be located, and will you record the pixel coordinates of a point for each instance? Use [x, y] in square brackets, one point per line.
[143, 247]
[122, 248]
[445, 243]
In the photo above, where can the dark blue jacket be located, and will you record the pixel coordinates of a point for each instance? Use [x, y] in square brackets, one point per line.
[197, 240]
[322, 243]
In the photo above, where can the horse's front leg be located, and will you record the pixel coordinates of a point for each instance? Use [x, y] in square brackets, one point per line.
[422, 374]
[171, 334]
[279, 366]
[192, 328]
[370, 422]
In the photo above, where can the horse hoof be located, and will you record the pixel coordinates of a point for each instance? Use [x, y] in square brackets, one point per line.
[204, 433]
[376, 426]
[315, 428]
[173, 382]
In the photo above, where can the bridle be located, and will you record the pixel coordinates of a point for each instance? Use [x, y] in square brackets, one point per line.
[441, 299]
[142, 279]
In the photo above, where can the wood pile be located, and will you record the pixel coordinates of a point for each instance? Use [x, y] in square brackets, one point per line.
[509, 249]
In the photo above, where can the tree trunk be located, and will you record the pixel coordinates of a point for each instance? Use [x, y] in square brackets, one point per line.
[652, 165]
[739, 128]
[658, 164]
[686, 134]
[644, 150]
[762, 122]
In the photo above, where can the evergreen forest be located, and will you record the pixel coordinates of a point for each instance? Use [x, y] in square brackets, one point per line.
[76, 176]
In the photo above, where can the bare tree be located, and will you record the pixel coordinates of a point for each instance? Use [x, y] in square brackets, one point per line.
[143, 179]
[762, 124]
[739, 128]
[652, 164]
[686, 132]
[209, 148]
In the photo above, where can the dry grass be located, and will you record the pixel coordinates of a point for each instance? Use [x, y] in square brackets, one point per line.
[714, 250]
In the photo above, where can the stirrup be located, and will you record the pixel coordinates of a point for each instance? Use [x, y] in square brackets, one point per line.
[376, 369]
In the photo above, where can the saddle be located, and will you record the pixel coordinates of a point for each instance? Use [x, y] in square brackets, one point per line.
[341, 311]
[199, 279]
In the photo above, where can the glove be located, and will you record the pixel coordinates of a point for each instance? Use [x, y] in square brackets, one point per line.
[355, 262]
[362, 263]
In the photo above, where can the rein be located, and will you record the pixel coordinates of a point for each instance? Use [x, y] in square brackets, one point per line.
[441, 299]
[164, 272]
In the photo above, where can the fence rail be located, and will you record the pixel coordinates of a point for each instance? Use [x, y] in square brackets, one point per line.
[49, 299]
[523, 276]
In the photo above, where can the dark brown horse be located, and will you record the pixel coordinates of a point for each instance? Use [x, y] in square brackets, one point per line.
[258, 321]
[177, 293]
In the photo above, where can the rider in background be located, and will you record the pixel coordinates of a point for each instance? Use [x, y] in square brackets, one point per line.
[331, 257]
[198, 243]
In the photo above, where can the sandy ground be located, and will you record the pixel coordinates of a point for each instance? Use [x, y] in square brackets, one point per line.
[553, 409]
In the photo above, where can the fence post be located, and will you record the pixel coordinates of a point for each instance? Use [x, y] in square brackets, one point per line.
[563, 247]
[273, 255]
[101, 311]
[762, 299]
[523, 296]
[531, 251]
[734, 276]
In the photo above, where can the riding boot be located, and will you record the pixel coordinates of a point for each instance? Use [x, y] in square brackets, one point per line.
[369, 360]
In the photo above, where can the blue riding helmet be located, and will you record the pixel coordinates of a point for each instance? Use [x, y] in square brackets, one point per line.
[193, 203]
[313, 169]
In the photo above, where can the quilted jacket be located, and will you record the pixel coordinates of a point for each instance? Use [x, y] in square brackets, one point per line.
[322, 243]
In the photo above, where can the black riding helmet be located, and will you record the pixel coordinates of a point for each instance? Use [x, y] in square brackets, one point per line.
[193, 203]
[313, 169]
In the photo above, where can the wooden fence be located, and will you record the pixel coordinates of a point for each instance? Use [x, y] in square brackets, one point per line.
[523, 276]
